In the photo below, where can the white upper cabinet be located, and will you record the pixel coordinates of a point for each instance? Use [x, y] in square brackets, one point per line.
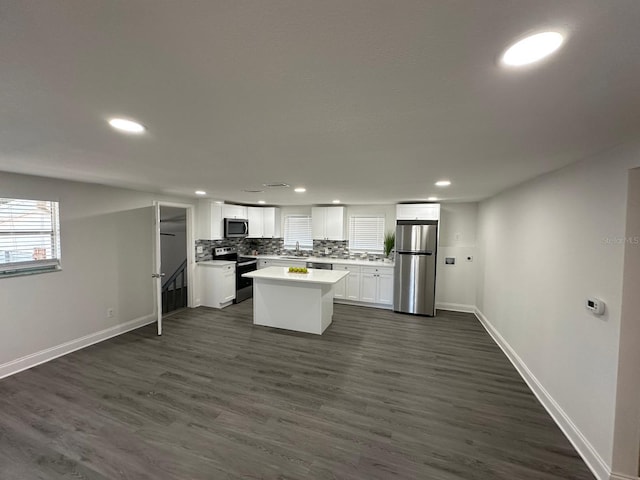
[271, 222]
[264, 222]
[418, 211]
[210, 220]
[328, 223]
[255, 216]
[234, 211]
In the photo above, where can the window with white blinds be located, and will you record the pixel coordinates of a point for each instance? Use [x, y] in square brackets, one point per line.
[297, 228]
[29, 236]
[366, 233]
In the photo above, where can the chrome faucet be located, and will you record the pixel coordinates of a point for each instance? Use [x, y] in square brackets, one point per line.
[297, 248]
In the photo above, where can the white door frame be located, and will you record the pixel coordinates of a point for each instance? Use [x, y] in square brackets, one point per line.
[190, 208]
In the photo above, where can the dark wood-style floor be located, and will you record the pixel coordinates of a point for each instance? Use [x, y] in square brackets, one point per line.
[378, 396]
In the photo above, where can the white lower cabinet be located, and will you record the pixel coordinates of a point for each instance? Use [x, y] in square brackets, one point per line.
[366, 285]
[377, 285]
[218, 285]
[349, 287]
[353, 286]
[385, 288]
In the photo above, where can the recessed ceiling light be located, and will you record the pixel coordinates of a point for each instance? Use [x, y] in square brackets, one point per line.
[432, 199]
[128, 126]
[532, 48]
[336, 201]
[261, 202]
[300, 190]
[443, 183]
[200, 192]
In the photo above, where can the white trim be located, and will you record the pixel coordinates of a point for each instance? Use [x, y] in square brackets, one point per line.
[29, 361]
[191, 260]
[456, 307]
[621, 476]
[594, 461]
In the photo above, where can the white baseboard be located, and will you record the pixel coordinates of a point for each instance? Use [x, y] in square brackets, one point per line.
[590, 456]
[29, 361]
[456, 307]
[620, 476]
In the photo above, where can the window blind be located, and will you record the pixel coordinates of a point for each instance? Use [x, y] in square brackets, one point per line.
[366, 233]
[29, 236]
[297, 228]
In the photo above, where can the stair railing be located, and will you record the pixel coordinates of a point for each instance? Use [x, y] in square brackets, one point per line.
[179, 277]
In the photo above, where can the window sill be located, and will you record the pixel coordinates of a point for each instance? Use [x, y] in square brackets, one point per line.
[35, 271]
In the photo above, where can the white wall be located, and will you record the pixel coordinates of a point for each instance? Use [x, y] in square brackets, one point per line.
[456, 284]
[106, 249]
[546, 246]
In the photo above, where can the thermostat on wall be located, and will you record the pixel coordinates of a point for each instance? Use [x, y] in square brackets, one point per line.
[595, 305]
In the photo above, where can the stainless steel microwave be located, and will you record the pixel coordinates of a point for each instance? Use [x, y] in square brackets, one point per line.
[236, 227]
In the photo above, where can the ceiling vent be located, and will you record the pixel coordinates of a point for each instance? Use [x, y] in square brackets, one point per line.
[276, 185]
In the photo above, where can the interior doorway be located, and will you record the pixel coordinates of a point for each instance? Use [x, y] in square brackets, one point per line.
[173, 222]
[173, 259]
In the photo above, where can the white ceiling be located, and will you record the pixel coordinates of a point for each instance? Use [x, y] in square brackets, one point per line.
[362, 100]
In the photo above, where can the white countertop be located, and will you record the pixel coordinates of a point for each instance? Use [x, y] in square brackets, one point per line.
[216, 263]
[342, 261]
[282, 273]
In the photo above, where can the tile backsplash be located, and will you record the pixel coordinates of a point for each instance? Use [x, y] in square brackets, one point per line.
[245, 246]
[275, 246]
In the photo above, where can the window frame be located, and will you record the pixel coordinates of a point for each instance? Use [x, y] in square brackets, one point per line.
[353, 245]
[22, 235]
[303, 246]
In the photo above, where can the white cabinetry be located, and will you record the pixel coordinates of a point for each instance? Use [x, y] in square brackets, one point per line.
[264, 222]
[210, 220]
[234, 211]
[271, 222]
[328, 223]
[348, 288]
[218, 284]
[418, 211]
[256, 222]
[376, 285]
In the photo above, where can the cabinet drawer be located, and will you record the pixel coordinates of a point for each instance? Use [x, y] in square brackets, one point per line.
[346, 268]
[378, 270]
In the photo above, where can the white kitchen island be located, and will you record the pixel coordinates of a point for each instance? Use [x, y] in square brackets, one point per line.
[295, 301]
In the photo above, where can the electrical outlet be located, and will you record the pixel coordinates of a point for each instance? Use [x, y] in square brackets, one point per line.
[110, 313]
[199, 249]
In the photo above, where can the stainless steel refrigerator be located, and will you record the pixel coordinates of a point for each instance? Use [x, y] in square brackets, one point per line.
[414, 287]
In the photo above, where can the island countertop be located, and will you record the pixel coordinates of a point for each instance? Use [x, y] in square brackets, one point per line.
[314, 275]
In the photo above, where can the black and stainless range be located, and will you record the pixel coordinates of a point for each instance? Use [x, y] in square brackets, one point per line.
[244, 286]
